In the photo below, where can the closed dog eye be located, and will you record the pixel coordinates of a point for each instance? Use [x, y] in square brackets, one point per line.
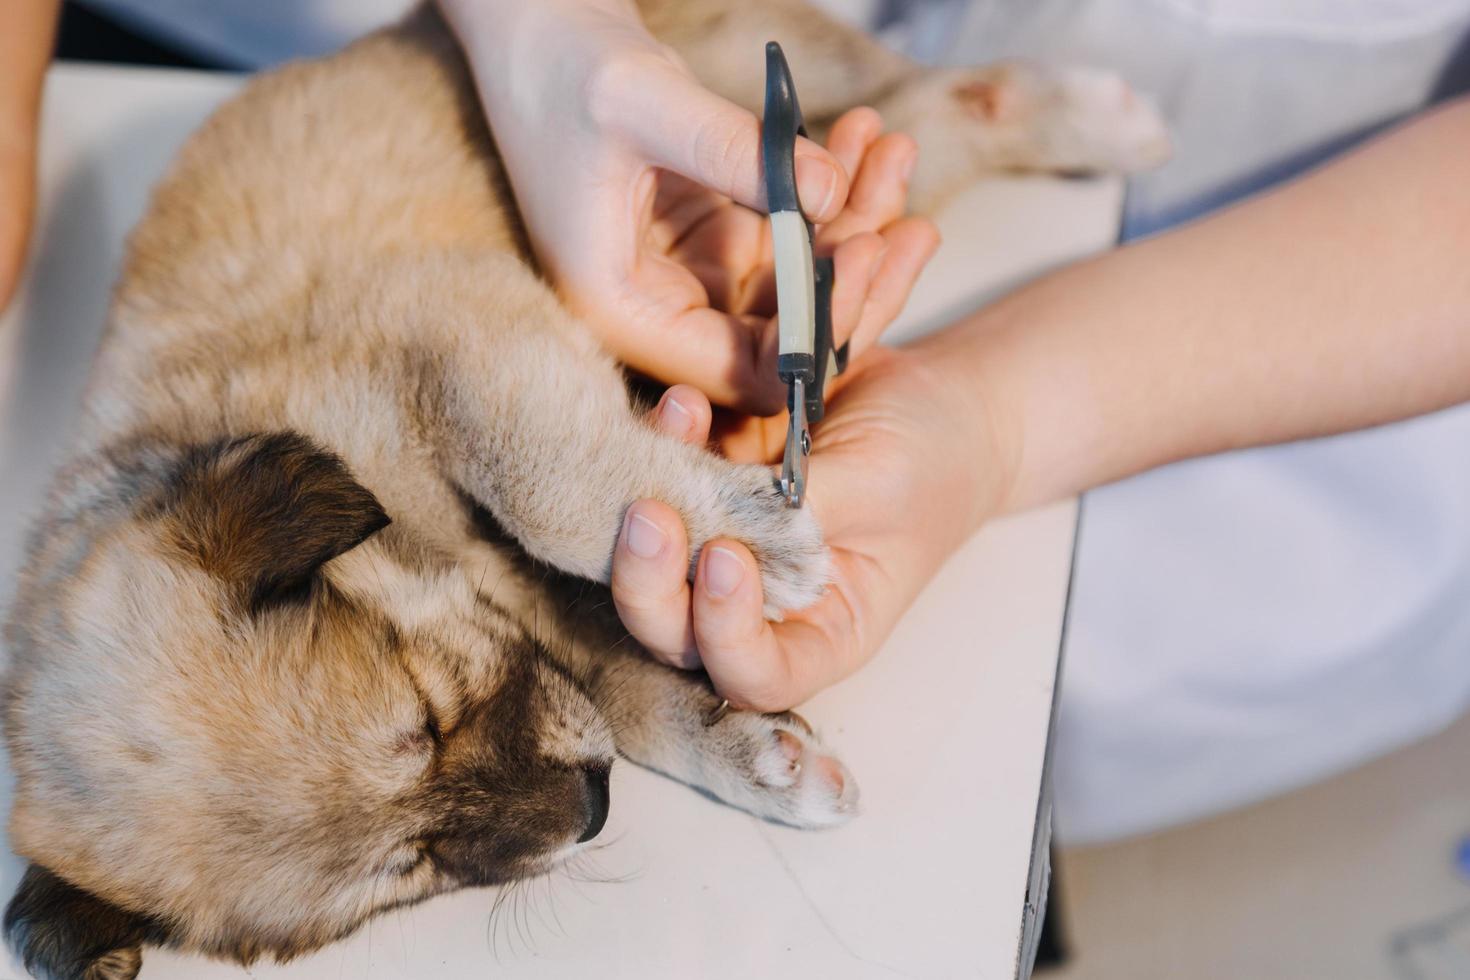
[425, 740]
[431, 726]
[428, 738]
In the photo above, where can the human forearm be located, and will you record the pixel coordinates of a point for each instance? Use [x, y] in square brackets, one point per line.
[1337, 302]
[27, 31]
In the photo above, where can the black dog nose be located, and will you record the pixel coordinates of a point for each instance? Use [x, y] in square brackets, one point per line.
[597, 801]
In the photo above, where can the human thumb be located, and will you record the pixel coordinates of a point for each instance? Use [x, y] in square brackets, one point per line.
[684, 127]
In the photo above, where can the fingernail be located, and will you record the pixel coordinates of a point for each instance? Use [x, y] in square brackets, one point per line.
[645, 539]
[723, 572]
[676, 418]
[815, 181]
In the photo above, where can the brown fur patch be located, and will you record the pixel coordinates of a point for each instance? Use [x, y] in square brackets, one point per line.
[264, 512]
[63, 933]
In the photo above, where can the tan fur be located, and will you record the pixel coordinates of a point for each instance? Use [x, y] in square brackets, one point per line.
[245, 711]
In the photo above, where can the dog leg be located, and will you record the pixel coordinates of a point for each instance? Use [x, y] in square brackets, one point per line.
[773, 766]
[836, 66]
[668, 720]
[1020, 117]
[969, 122]
[535, 423]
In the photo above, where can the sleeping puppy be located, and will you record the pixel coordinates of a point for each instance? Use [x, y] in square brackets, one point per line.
[310, 628]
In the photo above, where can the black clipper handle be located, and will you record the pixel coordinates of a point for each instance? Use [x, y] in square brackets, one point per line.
[782, 124]
[780, 127]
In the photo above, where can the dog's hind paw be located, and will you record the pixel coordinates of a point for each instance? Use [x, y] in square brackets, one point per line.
[1019, 116]
[774, 766]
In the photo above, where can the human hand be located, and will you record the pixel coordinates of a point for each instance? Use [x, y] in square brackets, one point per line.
[902, 470]
[889, 514]
[644, 201]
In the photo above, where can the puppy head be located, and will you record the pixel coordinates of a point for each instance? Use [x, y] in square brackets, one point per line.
[242, 723]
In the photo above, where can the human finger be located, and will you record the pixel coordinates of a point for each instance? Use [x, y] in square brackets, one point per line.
[879, 194]
[684, 413]
[684, 127]
[911, 243]
[854, 263]
[851, 135]
[755, 663]
[650, 587]
[667, 330]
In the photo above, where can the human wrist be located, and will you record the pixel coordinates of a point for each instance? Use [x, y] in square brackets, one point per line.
[1020, 378]
[533, 59]
[977, 433]
[1039, 374]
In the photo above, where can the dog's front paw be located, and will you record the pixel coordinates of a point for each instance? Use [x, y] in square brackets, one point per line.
[786, 542]
[774, 766]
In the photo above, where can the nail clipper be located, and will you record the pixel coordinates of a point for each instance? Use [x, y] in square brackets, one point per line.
[803, 283]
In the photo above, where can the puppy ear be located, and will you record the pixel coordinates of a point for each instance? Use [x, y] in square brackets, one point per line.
[64, 933]
[265, 512]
